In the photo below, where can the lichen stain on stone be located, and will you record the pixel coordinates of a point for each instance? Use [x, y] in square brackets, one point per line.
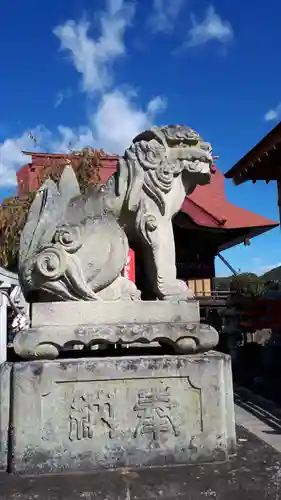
[179, 363]
[37, 368]
[129, 365]
[34, 461]
[197, 360]
[177, 319]
[21, 367]
[63, 367]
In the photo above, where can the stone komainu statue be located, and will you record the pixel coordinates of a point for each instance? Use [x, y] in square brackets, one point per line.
[74, 246]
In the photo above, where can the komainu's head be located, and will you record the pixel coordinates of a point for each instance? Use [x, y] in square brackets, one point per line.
[158, 156]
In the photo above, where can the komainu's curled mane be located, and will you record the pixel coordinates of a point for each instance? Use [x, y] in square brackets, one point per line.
[161, 167]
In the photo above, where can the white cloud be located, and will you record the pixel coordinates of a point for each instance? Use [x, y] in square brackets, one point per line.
[118, 116]
[67, 139]
[104, 128]
[114, 135]
[117, 120]
[61, 96]
[91, 57]
[11, 157]
[211, 28]
[164, 14]
[40, 139]
[273, 114]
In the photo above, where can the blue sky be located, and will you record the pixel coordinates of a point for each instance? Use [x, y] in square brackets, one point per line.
[96, 72]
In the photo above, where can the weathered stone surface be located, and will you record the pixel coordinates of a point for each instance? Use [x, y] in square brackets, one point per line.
[67, 324]
[5, 374]
[47, 342]
[74, 246]
[98, 413]
[229, 405]
[88, 313]
[251, 474]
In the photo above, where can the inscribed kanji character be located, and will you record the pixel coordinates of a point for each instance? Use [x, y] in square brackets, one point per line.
[86, 411]
[153, 411]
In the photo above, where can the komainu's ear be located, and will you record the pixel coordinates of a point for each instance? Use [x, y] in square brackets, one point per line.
[41, 219]
[68, 184]
[46, 212]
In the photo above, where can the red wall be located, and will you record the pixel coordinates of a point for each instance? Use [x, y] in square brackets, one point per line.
[28, 176]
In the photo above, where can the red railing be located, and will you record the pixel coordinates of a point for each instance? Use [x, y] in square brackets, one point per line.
[261, 313]
[255, 313]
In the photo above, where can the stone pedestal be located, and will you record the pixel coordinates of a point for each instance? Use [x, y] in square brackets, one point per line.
[88, 414]
[63, 325]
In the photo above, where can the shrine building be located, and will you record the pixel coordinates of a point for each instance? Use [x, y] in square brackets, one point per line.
[261, 163]
[206, 225]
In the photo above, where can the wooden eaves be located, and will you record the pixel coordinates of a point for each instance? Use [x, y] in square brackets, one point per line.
[262, 162]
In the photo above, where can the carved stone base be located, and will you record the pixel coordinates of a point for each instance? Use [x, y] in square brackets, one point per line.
[88, 414]
[61, 326]
[48, 342]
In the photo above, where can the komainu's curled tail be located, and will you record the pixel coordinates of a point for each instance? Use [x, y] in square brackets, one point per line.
[67, 251]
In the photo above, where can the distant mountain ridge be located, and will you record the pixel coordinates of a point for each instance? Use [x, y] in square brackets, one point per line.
[274, 274]
[223, 283]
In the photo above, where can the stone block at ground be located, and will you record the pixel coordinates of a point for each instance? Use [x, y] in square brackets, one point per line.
[88, 414]
[5, 375]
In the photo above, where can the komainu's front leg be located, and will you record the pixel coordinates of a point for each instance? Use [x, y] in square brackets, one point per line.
[160, 263]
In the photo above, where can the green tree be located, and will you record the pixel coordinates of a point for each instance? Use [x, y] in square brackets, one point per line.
[247, 284]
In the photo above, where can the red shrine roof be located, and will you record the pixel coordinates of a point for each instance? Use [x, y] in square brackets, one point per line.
[207, 206]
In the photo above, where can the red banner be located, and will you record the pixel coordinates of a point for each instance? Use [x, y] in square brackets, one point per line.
[129, 270]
